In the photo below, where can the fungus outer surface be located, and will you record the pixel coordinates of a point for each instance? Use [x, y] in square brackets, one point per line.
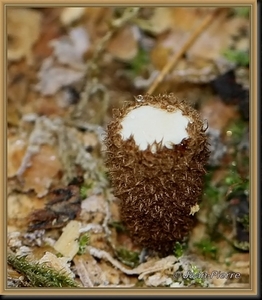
[148, 124]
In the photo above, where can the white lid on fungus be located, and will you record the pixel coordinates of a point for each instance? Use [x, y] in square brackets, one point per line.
[149, 125]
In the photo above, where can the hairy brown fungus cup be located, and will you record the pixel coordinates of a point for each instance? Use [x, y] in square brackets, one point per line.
[156, 152]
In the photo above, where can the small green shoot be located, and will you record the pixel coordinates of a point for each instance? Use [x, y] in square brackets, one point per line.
[118, 226]
[193, 275]
[84, 240]
[128, 257]
[237, 129]
[207, 248]
[197, 275]
[239, 57]
[139, 62]
[212, 193]
[84, 189]
[179, 249]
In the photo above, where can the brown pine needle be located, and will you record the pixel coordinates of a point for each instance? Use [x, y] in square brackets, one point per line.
[170, 64]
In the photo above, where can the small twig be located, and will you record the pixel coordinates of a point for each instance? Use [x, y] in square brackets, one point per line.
[185, 47]
[91, 83]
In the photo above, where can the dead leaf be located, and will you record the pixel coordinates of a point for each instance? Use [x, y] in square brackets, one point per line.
[69, 49]
[53, 77]
[23, 28]
[63, 205]
[16, 149]
[204, 59]
[19, 207]
[45, 166]
[57, 263]
[240, 263]
[50, 30]
[71, 14]
[168, 18]
[97, 21]
[159, 56]
[124, 44]
[218, 114]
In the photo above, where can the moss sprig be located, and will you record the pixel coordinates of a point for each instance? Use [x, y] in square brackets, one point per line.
[179, 249]
[40, 275]
[84, 241]
[128, 257]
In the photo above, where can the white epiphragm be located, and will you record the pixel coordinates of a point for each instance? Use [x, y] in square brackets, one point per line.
[148, 124]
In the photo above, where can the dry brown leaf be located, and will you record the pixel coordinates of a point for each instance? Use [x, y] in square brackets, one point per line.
[23, 29]
[159, 56]
[169, 18]
[240, 263]
[17, 89]
[218, 114]
[124, 44]
[66, 65]
[212, 41]
[19, 206]
[69, 49]
[204, 59]
[16, 149]
[45, 166]
[13, 115]
[63, 205]
[97, 21]
[48, 106]
[71, 14]
[52, 77]
[57, 263]
[50, 31]
[217, 37]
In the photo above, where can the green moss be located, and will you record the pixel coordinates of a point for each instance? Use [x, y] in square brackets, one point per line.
[84, 189]
[239, 57]
[243, 246]
[244, 221]
[242, 11]
[237, 129]
[234, 180]
[140, 284]
[138, 64]
[179, 249]
[129, 258]
[118, 226]
[207, 248]
[197, 278]
[212, 193]
[84, 240]
[40, 275]
[192, 276]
